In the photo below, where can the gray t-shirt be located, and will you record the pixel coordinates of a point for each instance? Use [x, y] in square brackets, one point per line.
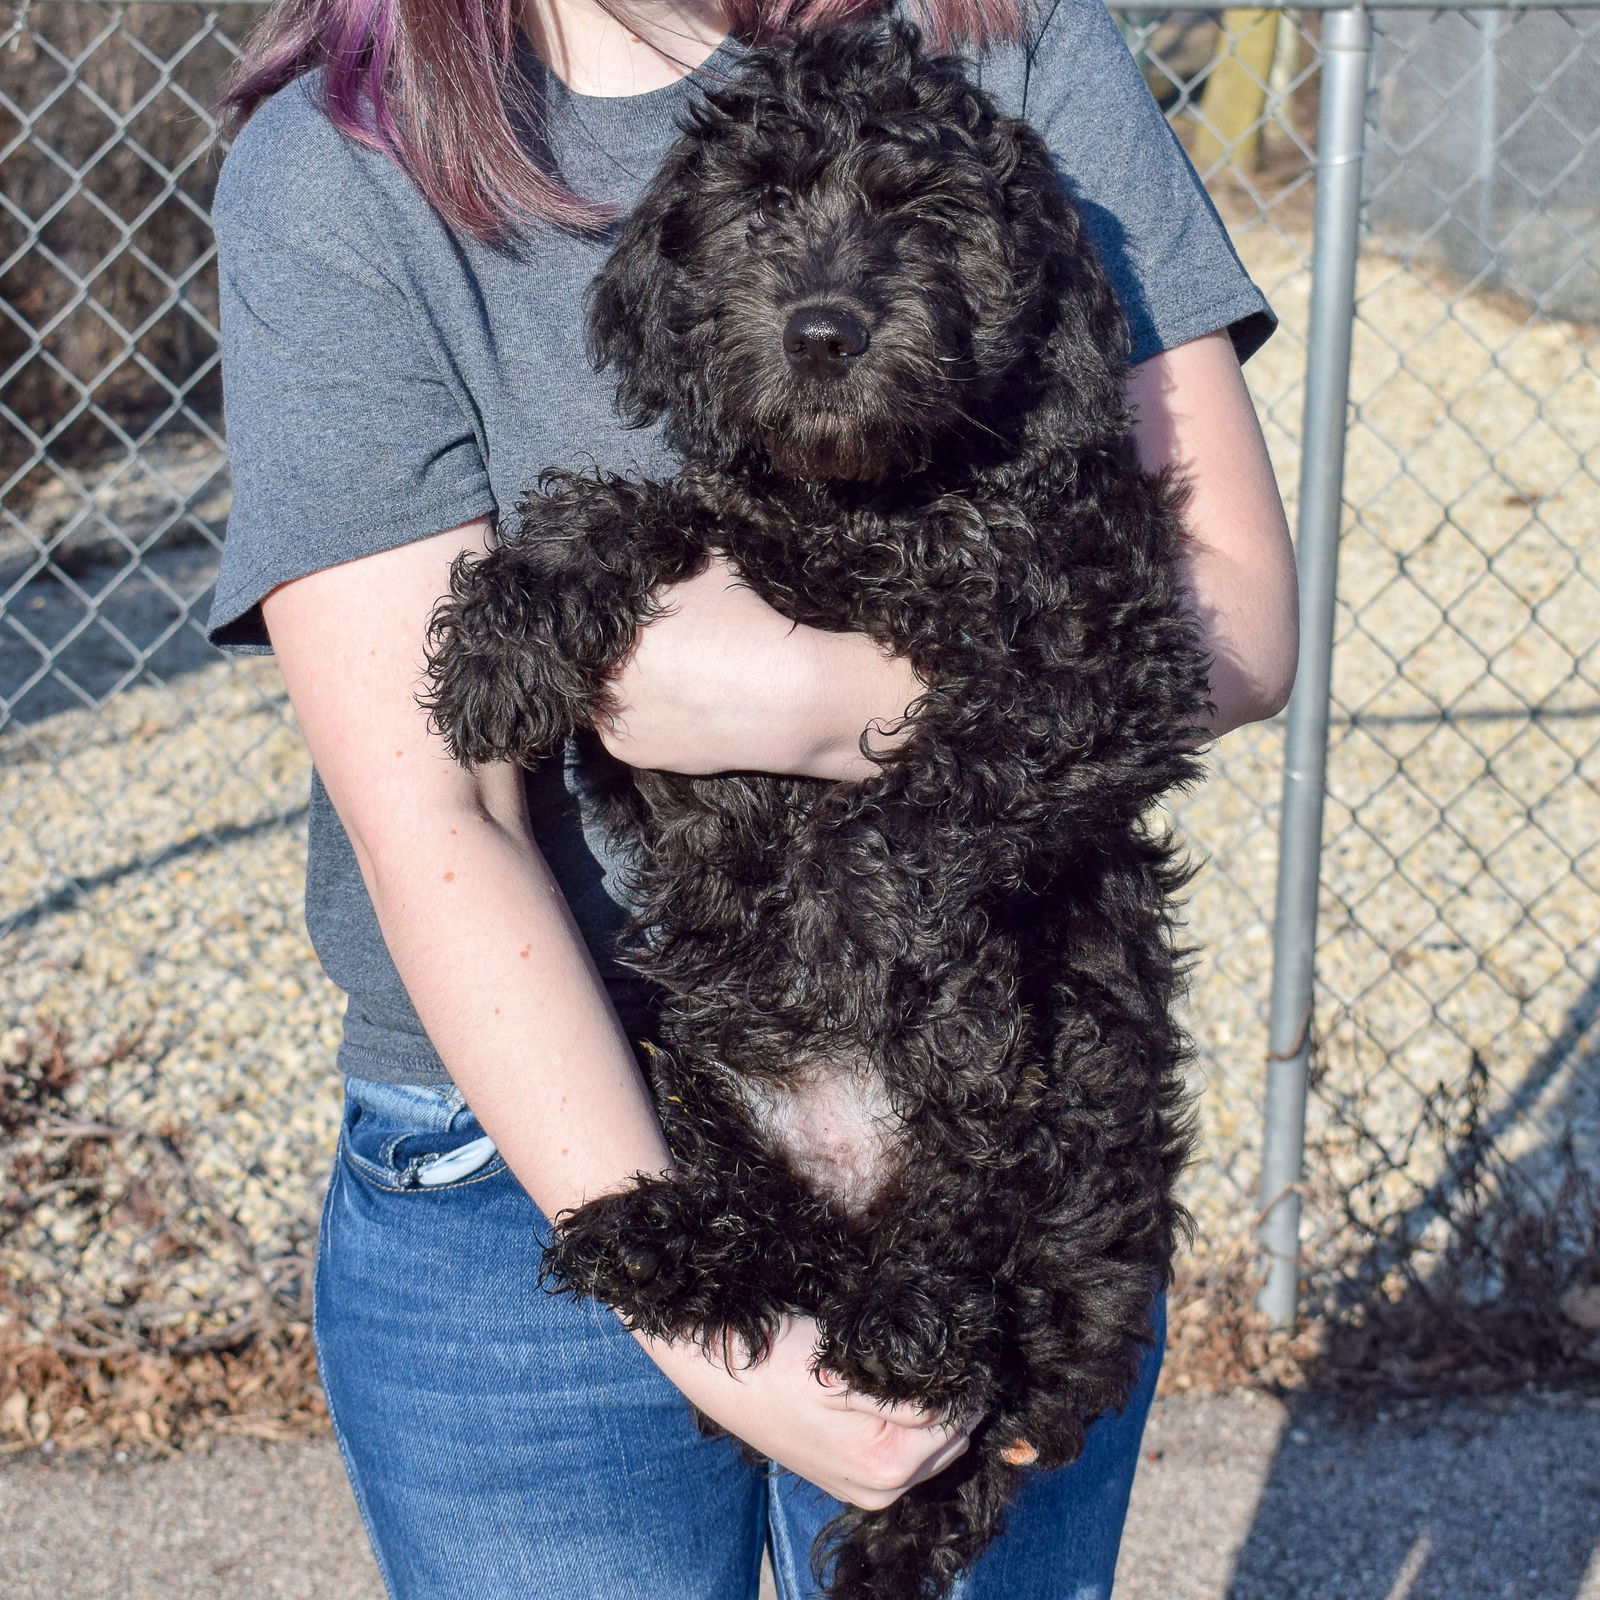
[386, 379]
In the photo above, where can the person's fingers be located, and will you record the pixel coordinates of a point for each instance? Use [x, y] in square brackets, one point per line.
[895, 1458]
[955, 1447]
[902, 1415]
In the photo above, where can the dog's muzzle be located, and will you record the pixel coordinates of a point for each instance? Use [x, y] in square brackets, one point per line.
[823, 341]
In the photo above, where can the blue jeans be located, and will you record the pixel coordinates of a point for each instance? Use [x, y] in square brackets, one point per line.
[509, 1444]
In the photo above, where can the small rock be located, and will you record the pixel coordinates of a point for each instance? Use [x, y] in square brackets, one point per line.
[1581, 1305]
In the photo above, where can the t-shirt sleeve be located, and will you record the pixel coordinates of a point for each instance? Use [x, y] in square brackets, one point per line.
[1166, 250]
[346, 434]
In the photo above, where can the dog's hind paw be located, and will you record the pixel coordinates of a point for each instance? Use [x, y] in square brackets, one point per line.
[675, 1261]
[916, 1335]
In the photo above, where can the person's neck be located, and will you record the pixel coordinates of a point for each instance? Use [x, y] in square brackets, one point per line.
[594, 54]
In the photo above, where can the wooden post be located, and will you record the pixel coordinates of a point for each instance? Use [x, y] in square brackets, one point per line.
[1234, 104]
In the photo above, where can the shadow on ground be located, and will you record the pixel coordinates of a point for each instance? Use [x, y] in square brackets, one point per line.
[1244, 1498]
[1447, 1503]
[1450, 1500]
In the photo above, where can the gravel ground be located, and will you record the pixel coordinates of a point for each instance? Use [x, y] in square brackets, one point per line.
[1238, 1498]
[151, 849]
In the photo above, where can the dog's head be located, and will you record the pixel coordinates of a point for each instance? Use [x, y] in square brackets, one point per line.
[850, 266]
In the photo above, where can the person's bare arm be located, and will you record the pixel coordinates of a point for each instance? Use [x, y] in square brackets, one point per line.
[499, 975]
[1193, 412]
[723, 682]
[469, 911]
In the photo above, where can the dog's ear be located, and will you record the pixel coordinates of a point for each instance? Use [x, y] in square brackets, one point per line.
[1068, 315]
[635, 303]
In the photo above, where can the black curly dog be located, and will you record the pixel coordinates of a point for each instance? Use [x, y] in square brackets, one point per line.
[894, 368]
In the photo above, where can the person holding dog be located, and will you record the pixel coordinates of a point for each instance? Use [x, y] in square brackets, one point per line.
[406, 222]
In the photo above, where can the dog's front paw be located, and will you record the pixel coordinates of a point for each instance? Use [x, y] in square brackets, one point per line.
[629, 1249]
[516, 660]
[676, 1261]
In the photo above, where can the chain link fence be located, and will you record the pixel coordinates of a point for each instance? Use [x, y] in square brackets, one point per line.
[168, 1035]
[166, 1039]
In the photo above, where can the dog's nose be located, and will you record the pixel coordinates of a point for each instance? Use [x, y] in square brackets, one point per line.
[822, 341]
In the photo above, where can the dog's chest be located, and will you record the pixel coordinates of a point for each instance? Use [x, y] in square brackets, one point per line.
[914, 578]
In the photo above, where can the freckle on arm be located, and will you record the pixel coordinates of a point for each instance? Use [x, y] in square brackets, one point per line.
[449, 877]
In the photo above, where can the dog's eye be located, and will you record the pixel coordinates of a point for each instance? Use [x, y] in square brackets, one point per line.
[774, 203]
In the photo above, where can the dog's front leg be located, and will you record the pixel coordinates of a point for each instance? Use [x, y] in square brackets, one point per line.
[522, 650]
[695, 1256]
[655, 1255]
[722, 1246]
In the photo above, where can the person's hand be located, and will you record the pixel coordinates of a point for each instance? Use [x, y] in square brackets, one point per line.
[723, 683]
[861, 1451]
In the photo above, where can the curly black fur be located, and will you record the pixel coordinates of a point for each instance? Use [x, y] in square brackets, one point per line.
[970, 956]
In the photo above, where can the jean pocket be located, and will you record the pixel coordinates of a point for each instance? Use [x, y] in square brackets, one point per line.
[420, 1138]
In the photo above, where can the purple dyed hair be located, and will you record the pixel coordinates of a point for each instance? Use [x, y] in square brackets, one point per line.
[432, 84]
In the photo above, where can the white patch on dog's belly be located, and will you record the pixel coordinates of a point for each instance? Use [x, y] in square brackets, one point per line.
[834, 1123]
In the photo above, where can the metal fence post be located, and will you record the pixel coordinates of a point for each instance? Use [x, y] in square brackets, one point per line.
[1346, 41]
